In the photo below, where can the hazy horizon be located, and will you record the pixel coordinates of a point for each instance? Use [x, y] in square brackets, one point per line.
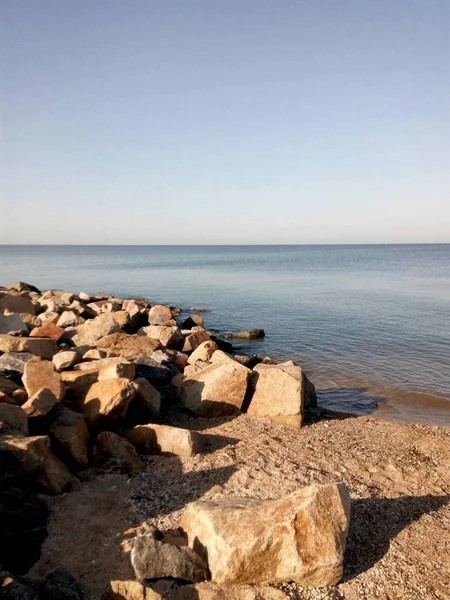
[245, 123]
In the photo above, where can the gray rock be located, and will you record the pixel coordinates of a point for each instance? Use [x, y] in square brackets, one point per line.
[14, 361]
[12, 325]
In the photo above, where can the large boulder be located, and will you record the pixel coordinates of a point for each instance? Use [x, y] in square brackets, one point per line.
[70, 434]
[153, 439]
[15, 303]
[117, 453]
[280, 393]
[44, 347]
[89, 333]
[169, 337]
[193, 340]
[38, 374]
[203, 352]
[12, 324]
[107, 400]
[216, 390]
[155, 559]
[78, 384]
[159, 315]
[298, 538]
[48, 330]
[127, 346]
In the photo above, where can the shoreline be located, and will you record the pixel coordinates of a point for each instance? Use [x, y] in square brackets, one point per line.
[116, 414]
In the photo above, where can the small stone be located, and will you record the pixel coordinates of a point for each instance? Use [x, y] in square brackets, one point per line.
[65, 360]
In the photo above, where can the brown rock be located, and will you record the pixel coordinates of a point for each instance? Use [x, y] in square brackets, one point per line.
[129, 590]
[127, 346]
[71, 434]
[92, 331]
[44, 347]
[48, 330]
[47, 317]
[298, 538]
[203, 352]
[39, 403]
[107, 400]
[38, 374]
[169, 337]
[15, 303]
[94, 354]
[154, 559]
[98, 364]
[117, 452]
[77, 384]
[13, 420]
[216, 390]
[153, 439]
[122, 318]
[69, 319]
[192, 341]
[65, 360]
[279, 394]
[159, 315]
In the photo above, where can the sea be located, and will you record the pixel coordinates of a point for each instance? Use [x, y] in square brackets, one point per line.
[369, 324]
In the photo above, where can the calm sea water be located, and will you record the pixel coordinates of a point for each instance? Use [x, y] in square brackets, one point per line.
[368, 323]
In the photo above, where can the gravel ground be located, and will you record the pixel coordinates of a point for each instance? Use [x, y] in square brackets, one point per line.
[398, 474]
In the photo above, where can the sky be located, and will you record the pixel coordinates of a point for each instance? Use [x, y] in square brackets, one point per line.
[224, 121]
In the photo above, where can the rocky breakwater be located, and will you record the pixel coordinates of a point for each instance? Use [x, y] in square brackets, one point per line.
[85, 384]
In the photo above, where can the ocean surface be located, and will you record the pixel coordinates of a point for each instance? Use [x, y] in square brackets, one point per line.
[369, 324]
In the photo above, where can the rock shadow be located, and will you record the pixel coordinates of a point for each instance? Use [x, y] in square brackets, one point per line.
[375, 522]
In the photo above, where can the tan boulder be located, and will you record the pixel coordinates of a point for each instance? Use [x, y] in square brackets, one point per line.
[147, 402]
[71, 435]
[216, 390]
[203, 352]
[169, 337]
[299, 538]
[118, 369]
[45, 347]
[48, 330]
[208, 590]
[92, 331]
[153, 439]
[190, 370]
[39, 373]
[65, 360]
[39, 403]
[193, 340]
[15, 303]
[279, 394]
[107, 400]
[98, 364]
[127, 346]
[93, 354]
[122, 318]
[78, 384]
[117, 452]
[129, 590]
[12, 324]
[159, 315]
[47, 317]
[69, 318]
[13, 420]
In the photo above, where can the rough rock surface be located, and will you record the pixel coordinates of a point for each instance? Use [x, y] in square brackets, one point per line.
[89, 333]
[38, 374]
[216, 390]
[169, 337]
[14, 361]
[48, 330]
[193, 340]
[65, 360]
[127, 346]
[298, 538]
[153, 439]
[117, 452]
[70, 433]
[107, 400]
[203, 352]
[44, 347]
[39, 403]
[153, 559]
[159, 315]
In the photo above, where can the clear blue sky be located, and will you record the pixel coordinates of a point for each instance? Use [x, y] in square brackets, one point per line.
[225, 121]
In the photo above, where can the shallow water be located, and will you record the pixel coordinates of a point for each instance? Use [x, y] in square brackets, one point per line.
[368, 323]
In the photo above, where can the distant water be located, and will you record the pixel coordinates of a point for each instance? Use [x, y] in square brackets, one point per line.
[367, 323]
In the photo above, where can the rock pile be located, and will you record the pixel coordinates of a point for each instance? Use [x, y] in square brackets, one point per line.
[85, 382]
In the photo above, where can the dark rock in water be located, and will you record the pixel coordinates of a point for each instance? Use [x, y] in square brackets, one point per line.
[192, 321]
[61, 585]
[21, 286]
[223, 345]
[153, 559]
[23, 529]
[252, 334]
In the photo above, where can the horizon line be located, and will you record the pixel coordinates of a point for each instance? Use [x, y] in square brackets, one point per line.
[234, 244]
